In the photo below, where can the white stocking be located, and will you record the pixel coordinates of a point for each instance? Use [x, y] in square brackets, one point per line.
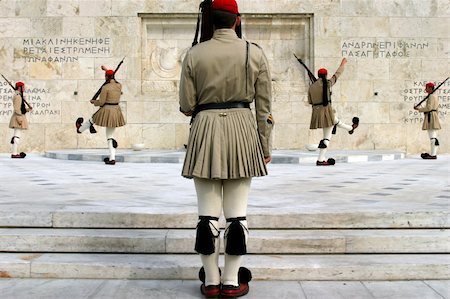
[109, 138]
[235, 198]
[15, 145]
[433, 136]
[209, 197]
[86, 125]
[326, 139]
[341, 124]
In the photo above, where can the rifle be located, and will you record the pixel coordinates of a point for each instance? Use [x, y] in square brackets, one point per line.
[310, 74]
[415, 106]
[21, 94]
[100, 89]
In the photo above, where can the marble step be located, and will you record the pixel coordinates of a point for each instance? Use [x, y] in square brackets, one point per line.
[261, 242]
[263, 267]
[177, 156]
[115, 217]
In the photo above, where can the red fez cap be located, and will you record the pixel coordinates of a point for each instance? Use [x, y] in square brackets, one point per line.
[18, 84]
[109, 72]
[322, 72]
[429, 84]
[226, 5]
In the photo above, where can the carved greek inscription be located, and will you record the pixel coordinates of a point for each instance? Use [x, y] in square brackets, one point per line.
[381, 49]
[416, 93]
[38, 98]
[64, 49]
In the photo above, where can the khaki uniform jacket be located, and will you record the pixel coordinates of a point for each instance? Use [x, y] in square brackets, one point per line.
[322, 116]
[18, 120]
[205, 79]
[431, 119]
[109, 115]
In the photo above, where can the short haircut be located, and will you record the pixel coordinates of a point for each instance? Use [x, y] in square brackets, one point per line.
[223, 19]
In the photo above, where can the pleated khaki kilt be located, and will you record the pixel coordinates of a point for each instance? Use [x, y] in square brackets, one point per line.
[18, 122]
[109, 116]
[322, 117]
[433, 124]
[224, 144]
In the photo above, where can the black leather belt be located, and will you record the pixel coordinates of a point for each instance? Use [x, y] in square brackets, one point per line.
[321, 104]
[111, 104]
[429, 114]
[226, 105]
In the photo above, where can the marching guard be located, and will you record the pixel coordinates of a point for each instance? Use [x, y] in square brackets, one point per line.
[323, 115]
[18, 120]
[227, 146]
[109, 115]
[431, 120]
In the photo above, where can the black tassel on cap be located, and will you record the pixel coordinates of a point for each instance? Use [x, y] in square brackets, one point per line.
[205, 240]
[204, 23]
[236, 244]
[325, 99]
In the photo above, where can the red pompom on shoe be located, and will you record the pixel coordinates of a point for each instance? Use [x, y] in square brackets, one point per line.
[355, 124]
[78, 124]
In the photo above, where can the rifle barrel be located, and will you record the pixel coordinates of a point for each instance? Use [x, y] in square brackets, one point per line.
[100, 89]
[10, 84]
[423, 100]
[310, 74]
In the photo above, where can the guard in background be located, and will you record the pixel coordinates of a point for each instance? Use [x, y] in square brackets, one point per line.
[18, 120]
[220, 77]
[431, 120]
[109, 115]
[323, 115]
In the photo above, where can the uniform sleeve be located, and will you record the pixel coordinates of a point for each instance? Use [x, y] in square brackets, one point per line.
[17, 103]
[187, 92]
[102, 98]
[336, 75]
[263, 104]
[428, 107]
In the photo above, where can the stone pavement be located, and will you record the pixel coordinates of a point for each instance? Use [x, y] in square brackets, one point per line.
[189, 289]
[43, 192]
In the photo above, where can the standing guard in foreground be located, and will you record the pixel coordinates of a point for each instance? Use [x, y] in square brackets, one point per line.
[323, 115]
[109, 115]
[18, 120]
[431, 120]
[220, 77]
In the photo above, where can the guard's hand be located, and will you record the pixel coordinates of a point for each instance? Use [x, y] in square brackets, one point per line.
[92, 101]
[416, 108]
[344, 61]
[268, 159]
[189, 113]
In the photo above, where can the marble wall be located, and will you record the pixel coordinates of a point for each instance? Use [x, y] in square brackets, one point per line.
[57, 46]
